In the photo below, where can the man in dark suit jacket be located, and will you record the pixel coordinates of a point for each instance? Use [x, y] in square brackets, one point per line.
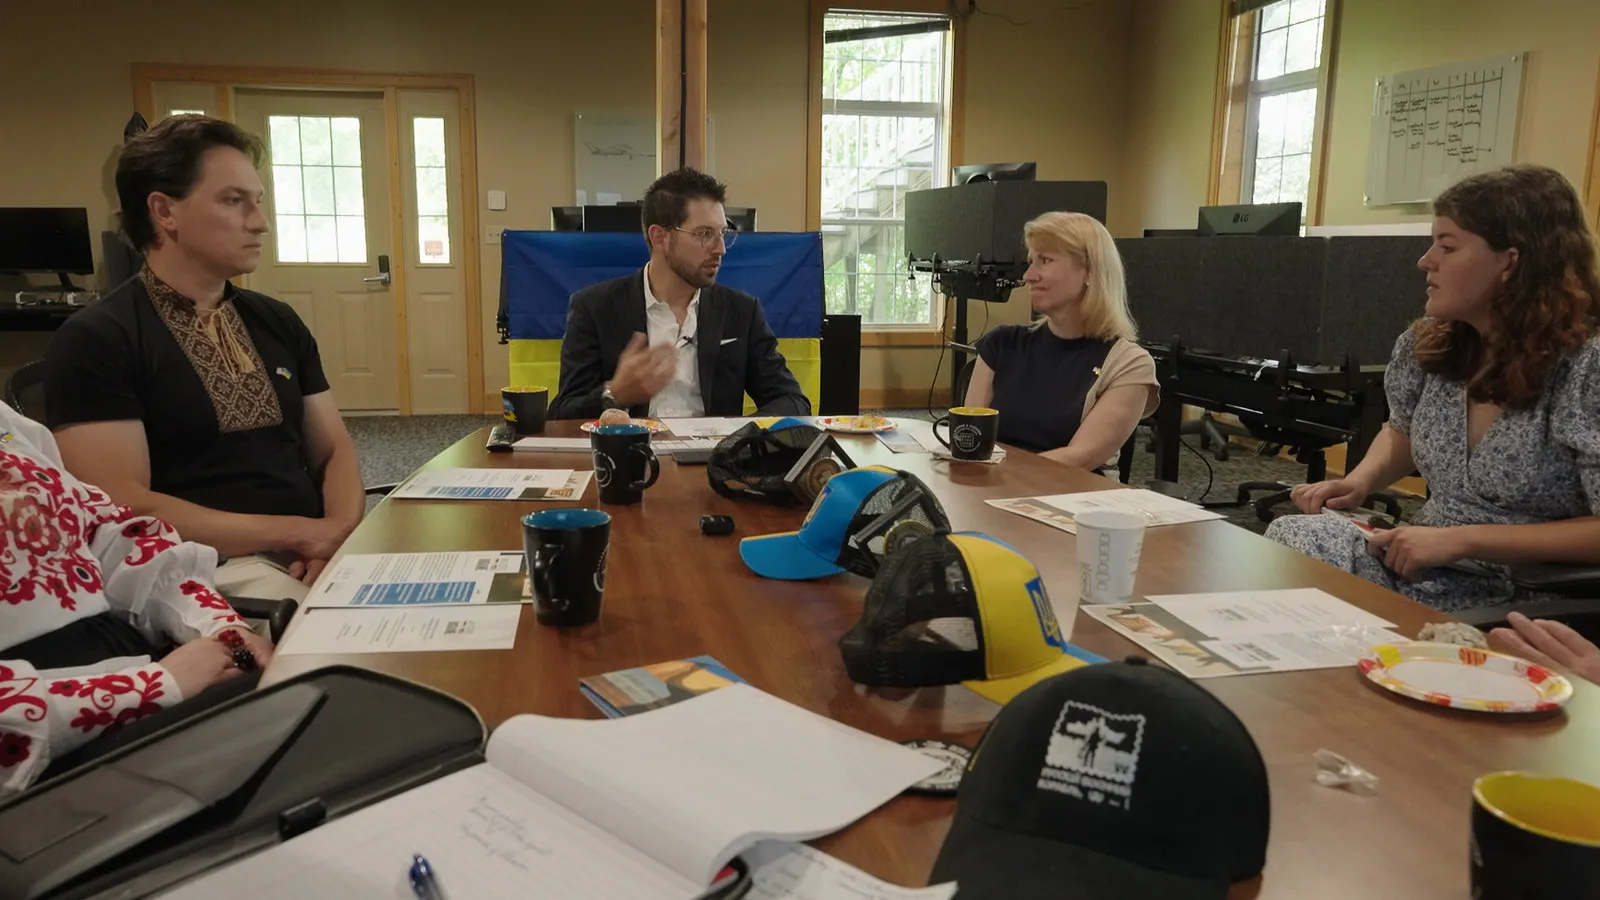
[668, 341]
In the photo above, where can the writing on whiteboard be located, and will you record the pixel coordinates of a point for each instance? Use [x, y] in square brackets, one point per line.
[1433, 127]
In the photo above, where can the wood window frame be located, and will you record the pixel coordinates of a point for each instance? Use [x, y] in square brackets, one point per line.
[1231, 127]
[872, 335]
[229, 78]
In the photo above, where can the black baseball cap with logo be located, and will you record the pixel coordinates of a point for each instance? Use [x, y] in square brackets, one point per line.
[1108, 782]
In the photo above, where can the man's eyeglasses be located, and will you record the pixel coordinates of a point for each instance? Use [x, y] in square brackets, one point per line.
[708, 234]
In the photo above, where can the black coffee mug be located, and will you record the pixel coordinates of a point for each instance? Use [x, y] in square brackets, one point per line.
[566, 556]
[524, 408]
[1534, 838]
[972, 432]
[624, 463]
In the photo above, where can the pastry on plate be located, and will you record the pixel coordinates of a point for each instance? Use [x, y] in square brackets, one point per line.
[614, 417]
[868, 422]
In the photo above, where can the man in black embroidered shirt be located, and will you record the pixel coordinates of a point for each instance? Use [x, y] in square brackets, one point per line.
[189, 399]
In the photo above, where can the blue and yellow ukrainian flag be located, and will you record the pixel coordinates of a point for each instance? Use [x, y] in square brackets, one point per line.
[541, 270]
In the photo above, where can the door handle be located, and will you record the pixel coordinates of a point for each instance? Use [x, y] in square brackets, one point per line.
[383, 277]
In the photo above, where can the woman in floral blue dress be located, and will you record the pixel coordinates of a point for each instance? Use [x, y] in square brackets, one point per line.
[1494, 398]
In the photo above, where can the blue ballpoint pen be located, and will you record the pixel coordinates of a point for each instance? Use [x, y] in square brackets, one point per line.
[424, 881]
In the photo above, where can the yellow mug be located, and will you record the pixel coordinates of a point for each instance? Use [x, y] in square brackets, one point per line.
[1534, 837]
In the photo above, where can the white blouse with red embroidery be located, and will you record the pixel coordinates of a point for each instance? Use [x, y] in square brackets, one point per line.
[66, 553]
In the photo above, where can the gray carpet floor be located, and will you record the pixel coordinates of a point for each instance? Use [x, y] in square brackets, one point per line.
[392, 447]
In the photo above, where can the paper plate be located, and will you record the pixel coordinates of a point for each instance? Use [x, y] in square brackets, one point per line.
[655, 425]
[845, 425]
[1466, 678]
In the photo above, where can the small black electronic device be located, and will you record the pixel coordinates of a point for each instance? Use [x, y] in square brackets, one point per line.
[716, 525]
[501, 437]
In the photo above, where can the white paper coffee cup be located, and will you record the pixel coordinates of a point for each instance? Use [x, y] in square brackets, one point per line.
[1108, 555]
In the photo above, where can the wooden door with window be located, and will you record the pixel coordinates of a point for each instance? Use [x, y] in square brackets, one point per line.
[331, 246]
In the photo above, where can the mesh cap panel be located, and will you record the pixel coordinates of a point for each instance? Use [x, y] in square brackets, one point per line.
[919, 625]
[750, 463]
[924, 517]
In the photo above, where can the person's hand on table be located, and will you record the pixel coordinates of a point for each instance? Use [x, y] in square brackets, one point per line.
[1408, 549]
[1548, 642]
[1340, 493]
[307, 570]
[643, 371]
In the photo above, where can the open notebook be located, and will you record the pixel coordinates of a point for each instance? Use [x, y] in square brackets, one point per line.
[650, 806]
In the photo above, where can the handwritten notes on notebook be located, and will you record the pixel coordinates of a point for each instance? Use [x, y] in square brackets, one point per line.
[487, 836]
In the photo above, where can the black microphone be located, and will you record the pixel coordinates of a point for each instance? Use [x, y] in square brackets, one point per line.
[685, 341]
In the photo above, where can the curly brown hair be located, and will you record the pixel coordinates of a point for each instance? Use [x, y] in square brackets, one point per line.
[1546, 310]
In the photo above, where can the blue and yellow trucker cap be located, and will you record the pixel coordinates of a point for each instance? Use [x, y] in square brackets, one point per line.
[854, 502]
[961, 608]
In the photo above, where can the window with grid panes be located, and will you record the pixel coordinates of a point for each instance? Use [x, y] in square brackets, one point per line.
[319, 211]
[1281, 120]
[885, 96]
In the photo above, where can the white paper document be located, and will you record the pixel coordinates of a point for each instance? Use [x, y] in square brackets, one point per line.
[1061, 510]
[782, 870]
[1207, 635]
[1225, 615]
[705, 427]
[648, 807]
[490, 484]
[552, 444]
[401, 630]
[420, 579]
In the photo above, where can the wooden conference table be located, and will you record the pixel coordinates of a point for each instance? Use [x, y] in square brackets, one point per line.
[672, 592]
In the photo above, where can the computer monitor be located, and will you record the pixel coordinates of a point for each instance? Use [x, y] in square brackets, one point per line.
[742, 218]
[46, 239]
[612, 218]
[1258, 218]
[1025, 171]
[566, 218]
[1171, 232]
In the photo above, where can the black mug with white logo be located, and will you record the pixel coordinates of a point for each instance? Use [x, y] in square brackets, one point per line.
[566, 553]
[624, 463]
[972, 432]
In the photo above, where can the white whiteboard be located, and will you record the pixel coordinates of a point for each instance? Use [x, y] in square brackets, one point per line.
[1433, 127]
[614, 155]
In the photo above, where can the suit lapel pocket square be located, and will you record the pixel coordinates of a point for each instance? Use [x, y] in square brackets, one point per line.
[726, 341]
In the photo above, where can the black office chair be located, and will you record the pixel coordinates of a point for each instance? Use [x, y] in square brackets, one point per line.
[1577, 604]
[25, 390]
[267, 618]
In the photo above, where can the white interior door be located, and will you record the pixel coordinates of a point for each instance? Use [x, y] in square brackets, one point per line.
[329, 205]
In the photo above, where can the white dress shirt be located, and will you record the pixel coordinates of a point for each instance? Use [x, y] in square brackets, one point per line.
[681, 398]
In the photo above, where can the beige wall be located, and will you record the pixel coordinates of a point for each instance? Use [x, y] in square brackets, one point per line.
[534, 62]
[1380, 37]
[1173, 86]
[1053, 91]
[1176, 65]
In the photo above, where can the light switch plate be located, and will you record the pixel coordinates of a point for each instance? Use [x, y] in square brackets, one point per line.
[491, 234]
[497, 200]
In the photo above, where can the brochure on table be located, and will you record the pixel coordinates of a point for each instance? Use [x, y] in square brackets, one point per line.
[1211, 635]
[421, 579]
[1061, 510]
[379, 629]
[494, 484]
